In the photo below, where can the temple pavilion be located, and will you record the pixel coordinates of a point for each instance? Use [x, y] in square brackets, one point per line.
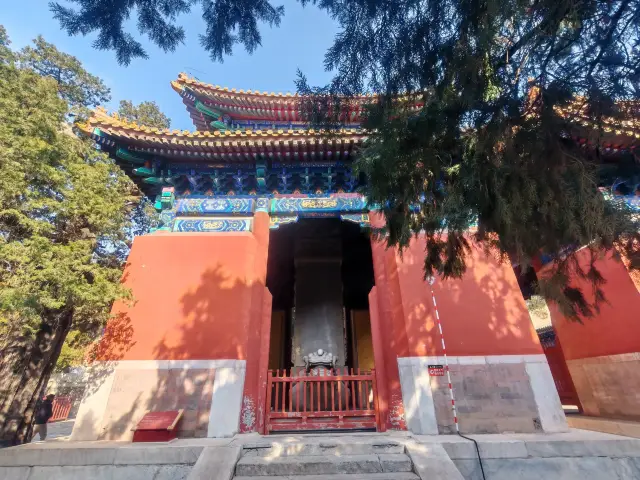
[262, 305]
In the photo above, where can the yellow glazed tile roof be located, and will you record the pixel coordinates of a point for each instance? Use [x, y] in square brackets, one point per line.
[577, 113]
[229, 146]
[185, 80]
[253, 104]
[119, 127]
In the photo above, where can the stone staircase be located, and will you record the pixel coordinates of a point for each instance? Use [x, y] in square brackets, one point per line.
[380, 460]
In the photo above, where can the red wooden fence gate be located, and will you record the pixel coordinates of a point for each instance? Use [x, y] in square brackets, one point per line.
[61, 408]
[340, 401]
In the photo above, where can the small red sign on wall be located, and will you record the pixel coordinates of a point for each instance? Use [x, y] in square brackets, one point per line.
[436, 370]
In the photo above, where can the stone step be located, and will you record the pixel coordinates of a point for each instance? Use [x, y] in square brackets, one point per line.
[323, 465]
[276, 449]
[356, 476]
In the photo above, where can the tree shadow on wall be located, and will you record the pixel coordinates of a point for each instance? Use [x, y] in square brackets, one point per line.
[213, 327]
[483, 313]
[104, 355]
[487, 297]
[115, 342]
[102, 360]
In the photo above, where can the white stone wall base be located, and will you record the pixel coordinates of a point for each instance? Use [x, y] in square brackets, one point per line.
[419, 408]
[546, 396]
[98, 379]
[226, 399]
[226, 402]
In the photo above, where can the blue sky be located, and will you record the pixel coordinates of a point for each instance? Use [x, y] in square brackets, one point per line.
[300, 42]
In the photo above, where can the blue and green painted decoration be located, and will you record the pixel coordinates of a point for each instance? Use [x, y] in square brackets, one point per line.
[212, 224]
[200, 213]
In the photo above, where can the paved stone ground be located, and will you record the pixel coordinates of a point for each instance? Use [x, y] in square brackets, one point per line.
[576, 455]
[626, 428]
[58, 431]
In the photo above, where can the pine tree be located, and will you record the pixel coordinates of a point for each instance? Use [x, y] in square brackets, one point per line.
[64, 216]
[5, 52]
[476, 116]
[145, 113]
[227, 23]
[76, 86]
[476, 121]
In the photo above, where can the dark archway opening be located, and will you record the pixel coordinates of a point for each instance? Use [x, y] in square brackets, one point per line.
[297, 277]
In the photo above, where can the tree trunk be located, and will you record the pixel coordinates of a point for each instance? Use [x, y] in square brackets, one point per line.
[26, 370]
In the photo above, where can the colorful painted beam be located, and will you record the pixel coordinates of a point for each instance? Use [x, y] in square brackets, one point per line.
[309, 206]
[361, 219]
[215, 205]
[304, 205]
[276, 222]
[125, 154]
[212, 225]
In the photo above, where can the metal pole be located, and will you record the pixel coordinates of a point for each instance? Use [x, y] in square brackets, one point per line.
[431, 280]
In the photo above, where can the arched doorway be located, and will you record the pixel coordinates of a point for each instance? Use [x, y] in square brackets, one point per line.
[321, 366]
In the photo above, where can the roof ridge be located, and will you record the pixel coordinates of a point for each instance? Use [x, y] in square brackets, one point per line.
[189, 80]
[101, 117]
[184, 79]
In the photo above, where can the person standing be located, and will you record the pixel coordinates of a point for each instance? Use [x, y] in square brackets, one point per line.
[44, 411]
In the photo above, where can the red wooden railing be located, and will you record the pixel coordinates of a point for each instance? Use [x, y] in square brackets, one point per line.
[61, 408]
[343, 400]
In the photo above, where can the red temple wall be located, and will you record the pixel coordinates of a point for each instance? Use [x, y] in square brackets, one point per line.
[192, 298]
[191, 337]
[482, 313]
[203, 297]
[499, 372]
[603, 351]
[613, 330]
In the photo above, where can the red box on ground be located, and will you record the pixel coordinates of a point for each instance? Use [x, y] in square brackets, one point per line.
[157, 426]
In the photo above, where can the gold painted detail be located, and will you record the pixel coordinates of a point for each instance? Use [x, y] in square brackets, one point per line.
[212, 225]
[313, 203]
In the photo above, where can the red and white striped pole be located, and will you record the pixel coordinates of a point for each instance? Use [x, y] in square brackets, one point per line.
[431, 280]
